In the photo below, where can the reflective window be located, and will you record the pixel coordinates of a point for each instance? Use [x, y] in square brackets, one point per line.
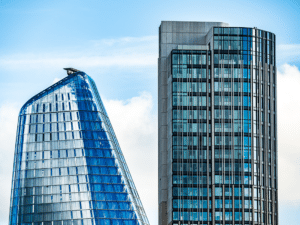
[73, 163]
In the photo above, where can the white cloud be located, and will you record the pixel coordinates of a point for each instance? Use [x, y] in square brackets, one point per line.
[55, 80]
[135, 125]
[8, 124]
[288, 134]
[123, 52]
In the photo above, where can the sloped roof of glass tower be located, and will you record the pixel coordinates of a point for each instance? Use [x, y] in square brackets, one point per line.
[68, 167]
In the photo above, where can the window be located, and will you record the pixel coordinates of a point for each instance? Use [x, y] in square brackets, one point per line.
[228, 215]
[218, 179]
[237, 216]
[228, 203]
[218, 215]
[218, 191]
[218, 203]
[237, 204]
[248, 204]
[228, 191]
[237, 192]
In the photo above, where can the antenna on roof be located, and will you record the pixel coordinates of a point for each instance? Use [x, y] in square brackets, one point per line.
[71, 70]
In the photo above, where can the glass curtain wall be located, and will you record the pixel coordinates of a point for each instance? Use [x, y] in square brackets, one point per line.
[223, 130]
[190, 137]
[68, 166]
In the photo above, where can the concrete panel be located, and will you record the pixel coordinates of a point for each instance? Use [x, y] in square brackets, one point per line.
[197, 39]
[163, 145]
[199, 27]
[162, 135]
[163, 176]
[180, 38]
[162, 195]
[164, 192]
[163, 63]
[175, 38]
[186, 27]
[163, 132]
[163, 27]
[163, 118]
[170, 47]
[169, 38]
[185, 38]
[158, 65]
[163, 216]
[164, 105]
[177, 27]
[163, 37]
[193, 28]
[164, 154]
[164, 50]
[169, 26]
[163, 79]
[163, 91]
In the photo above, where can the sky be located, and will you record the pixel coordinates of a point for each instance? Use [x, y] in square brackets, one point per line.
[116, 43]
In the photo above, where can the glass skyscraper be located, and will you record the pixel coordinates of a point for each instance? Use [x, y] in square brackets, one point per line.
[217, 125]
[68, 166]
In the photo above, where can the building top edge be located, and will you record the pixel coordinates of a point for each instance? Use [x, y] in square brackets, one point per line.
[207, 24]
[40, 94]
[173, 21]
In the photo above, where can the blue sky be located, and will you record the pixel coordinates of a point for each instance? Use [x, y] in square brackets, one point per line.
[116, 43]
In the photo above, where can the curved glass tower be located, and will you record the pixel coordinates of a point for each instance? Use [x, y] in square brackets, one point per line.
[68, 165]
[217, 125]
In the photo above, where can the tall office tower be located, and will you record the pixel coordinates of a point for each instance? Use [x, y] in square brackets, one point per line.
[217, 125]
[68, 166]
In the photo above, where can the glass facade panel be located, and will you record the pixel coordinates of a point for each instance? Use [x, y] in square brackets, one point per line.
[231, 138]
[68, 166]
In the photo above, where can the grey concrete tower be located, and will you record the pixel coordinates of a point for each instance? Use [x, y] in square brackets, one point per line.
[217, 137]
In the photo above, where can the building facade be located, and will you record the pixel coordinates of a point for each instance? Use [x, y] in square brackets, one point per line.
[68, 166]
[217, 158]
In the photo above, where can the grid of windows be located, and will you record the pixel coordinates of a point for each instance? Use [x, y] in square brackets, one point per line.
[68, 166]
[222, 130]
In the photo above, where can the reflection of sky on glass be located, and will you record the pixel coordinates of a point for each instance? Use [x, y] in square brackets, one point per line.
[100, 163]
[116, 43]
